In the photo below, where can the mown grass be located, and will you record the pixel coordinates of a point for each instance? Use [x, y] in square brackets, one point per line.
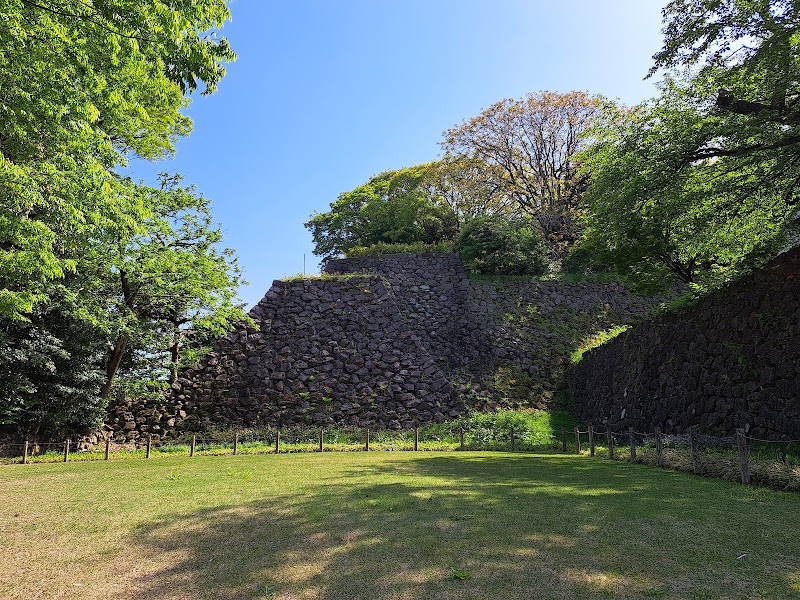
[390, 525]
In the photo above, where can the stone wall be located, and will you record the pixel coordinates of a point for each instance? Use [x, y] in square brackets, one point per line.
[327, 351]
[731, 361]
[500, 340]
[393, 341]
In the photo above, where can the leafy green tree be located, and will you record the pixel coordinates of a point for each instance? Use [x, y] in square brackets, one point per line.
[52, 368]
[85, 86]
[501, 245]
[700, 185]
[395, 207]
[468, 186]
[168, 285]
[529, 148]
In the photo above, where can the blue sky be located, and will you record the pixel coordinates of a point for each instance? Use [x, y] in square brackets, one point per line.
[326, 94]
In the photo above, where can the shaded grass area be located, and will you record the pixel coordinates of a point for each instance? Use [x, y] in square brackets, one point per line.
[391, 525]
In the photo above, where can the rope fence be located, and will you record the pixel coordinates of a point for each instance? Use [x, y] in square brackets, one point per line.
[749, 459]
[288, 439]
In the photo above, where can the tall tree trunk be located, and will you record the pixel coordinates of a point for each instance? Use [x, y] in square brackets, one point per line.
[113, 363]
[174, 352]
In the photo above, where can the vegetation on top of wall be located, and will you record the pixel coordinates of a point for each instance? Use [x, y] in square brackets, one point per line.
[501, 245]
[566, 277]
[327, 277]
[412, 248]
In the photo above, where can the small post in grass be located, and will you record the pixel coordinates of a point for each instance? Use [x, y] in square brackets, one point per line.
[194, 443]
[149, 443]
[321, 439]
[108, 448]
[513, 440]
[66, 450]
[563, 440]
[25, 453]
[632, 442]
[591, 439]
[366, 439]
[416, 439]
[695, 443]
[235, 443]
[461, 437]
[277, 440]
[744, 458]
[659, 448]
[610, 437]
[577, 441]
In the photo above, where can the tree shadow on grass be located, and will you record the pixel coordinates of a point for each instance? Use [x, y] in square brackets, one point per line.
[494, 526]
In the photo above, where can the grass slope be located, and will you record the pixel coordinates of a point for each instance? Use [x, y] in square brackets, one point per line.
[390, 525]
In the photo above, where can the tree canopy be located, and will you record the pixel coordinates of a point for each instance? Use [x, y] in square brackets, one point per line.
[85, 86]
[530, 147]
[395, 207]
[103, 281]
[700, 185]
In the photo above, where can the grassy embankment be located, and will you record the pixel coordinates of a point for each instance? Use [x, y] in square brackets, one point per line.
[390, 525]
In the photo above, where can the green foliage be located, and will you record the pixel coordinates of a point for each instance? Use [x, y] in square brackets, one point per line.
[700, 185]
[414, 248]
[658, 219]
[395, 207]
[84, 89]
[329, 277]
[587, 259]
[51, 369]
[160, 288]
[528, 149]
[500, 245]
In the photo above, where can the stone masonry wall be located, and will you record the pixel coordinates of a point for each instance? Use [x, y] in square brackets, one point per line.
[731, 361]
[396, 341]
[501, 341]
[328, 351]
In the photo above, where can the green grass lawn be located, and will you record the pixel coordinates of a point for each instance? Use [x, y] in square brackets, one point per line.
[390, 525]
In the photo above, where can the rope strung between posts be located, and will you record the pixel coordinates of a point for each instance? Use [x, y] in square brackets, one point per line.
[772, 441]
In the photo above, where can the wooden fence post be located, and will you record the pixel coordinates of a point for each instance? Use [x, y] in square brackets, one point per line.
[108, 448]
[632, 442]
[563, 440]
[695, 443]
[461, 437]
[366, 438]
[513, 440]
[744, 464]
[610, 437]
[194, 443]
[277, 440]
[66, 450]
[322, 439]
[25, 453]
[591, 439]
[659, 448]
[235, 443]
[416, 439]
[577, 441]
[149, 443]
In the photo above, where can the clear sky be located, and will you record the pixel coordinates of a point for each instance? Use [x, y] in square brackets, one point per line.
[327, 93]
